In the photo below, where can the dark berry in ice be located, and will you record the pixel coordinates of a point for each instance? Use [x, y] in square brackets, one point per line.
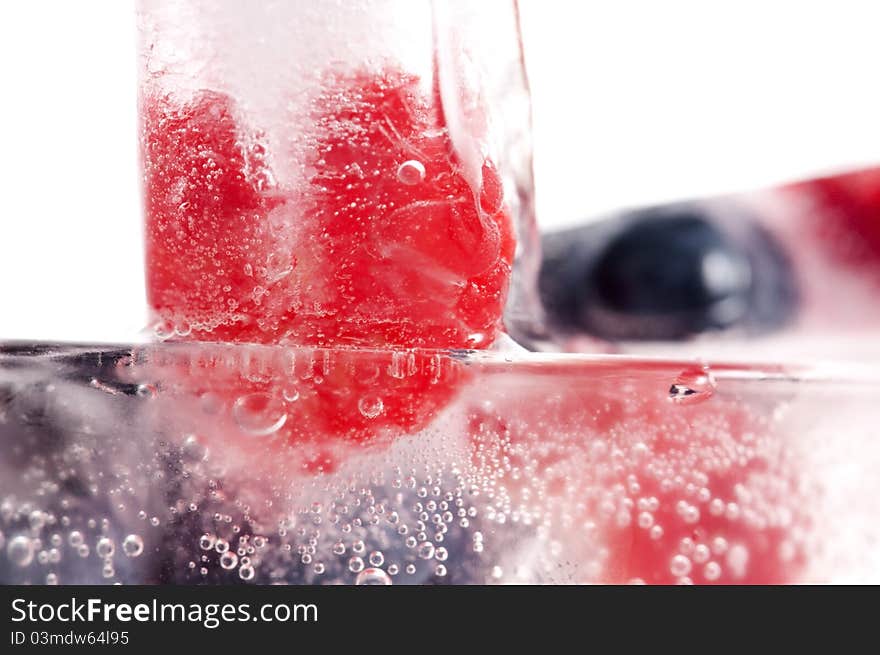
[666, 273]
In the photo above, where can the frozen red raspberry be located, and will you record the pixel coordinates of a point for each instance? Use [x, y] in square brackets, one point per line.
[386, 245]
[647, 488]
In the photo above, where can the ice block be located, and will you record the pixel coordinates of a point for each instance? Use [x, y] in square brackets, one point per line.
[362, 184]
[542, 469]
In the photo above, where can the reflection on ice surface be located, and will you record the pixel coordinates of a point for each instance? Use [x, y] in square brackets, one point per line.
[225, 464]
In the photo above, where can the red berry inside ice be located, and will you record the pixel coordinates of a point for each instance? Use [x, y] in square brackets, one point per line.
[383, 243]
[640, 487]
[846, 214]
[205, 206]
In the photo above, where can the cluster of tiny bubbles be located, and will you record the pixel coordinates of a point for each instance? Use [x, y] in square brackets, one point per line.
[259, 414]
[364, 527]
[692, 386]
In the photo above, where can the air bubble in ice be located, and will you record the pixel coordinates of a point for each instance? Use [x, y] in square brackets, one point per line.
[228, 560]
[193, 450]
[691, 514]
[183, 329]
[680, 566]
[693, 386]
[163, 330]
[146, 391]
[246, 572]
[20, 550]
[133, 545]
[371, 406]
[37, 520]
[372, 576]
[712, 571]
[355, 564]
[377, 558]
[425, 550]
[259, 414]
[105, 547]
[411, 172]
[701, 553]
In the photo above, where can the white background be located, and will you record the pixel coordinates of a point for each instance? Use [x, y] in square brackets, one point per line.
[635, 101]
